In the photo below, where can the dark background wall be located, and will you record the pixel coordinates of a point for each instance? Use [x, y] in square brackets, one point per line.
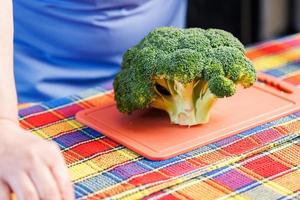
[249, 20]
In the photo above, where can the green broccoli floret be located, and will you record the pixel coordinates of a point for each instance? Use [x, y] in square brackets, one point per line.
[183, 72]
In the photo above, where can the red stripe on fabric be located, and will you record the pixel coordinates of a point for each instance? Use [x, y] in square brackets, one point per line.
[42, 119]
[25, 125]
[197, 162]
[178, 168]
[86, 150]
[148, 178]
[272, 48]
[241, 146]
[71, 157]
[69, 111]
[93, 147]
[254, 53]
[265, 166]
[267, 136]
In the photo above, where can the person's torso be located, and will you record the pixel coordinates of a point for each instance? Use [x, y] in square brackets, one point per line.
[62, 47]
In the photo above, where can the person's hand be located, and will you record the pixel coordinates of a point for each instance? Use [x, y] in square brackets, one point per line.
[30, 167]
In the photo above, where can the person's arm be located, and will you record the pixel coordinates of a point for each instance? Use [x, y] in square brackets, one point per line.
[30, 167]
[8, 99]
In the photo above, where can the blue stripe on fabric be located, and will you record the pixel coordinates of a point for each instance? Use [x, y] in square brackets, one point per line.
[91, 133]
[284, 69]
[97, 183]
[58, 102]
[81, 190]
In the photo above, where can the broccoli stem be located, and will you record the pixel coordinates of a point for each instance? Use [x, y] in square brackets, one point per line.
[187, 104]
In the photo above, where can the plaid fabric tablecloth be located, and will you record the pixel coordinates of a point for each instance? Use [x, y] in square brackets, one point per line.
[261, 163]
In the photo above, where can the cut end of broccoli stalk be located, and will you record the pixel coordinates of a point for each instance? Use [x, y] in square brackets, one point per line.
[187, 104]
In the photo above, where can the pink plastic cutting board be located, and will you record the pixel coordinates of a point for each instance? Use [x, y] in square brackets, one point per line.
[150, 133]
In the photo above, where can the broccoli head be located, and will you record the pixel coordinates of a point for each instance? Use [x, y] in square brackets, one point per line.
[183, 72]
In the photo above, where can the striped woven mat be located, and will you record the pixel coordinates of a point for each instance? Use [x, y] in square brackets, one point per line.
[261, 163]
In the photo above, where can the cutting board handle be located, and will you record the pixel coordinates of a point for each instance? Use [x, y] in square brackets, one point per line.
[276, 83]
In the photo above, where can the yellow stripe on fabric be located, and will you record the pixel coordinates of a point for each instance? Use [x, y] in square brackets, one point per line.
[106, 161]
[100, 163]
[61, 127]
[40, 133]
[138, 195]
[268, 62]
[292, 54]
[198, 190]
[290, 181]
[289, 154]
[276, 60]
[278, 188]
[82, 170]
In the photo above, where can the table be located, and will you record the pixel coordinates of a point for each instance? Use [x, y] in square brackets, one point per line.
[261, 163]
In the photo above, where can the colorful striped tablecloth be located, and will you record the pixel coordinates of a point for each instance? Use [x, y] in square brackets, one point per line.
[261, 163]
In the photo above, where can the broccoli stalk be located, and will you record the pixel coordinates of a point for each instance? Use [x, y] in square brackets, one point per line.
[183, 72]
[186, 104]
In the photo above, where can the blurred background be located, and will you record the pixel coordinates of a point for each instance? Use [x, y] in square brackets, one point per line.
[249, 20]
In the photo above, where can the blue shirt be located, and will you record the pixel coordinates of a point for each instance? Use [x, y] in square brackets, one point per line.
[64, 46]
